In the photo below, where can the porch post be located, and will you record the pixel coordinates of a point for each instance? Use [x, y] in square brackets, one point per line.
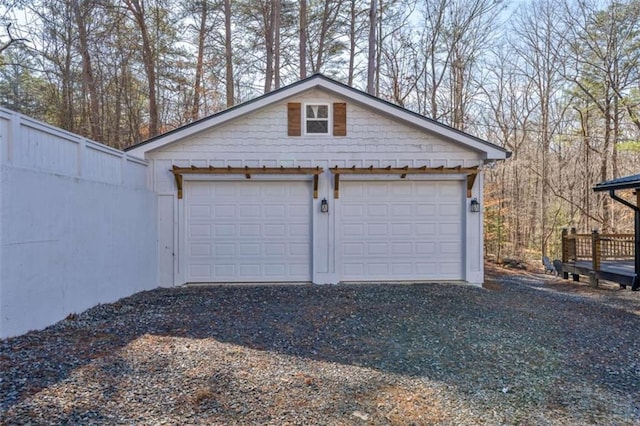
[636, 284]
[595, 250]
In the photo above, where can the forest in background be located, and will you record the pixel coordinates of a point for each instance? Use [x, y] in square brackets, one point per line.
[556, 82]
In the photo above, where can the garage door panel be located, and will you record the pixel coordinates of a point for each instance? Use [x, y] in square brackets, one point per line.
[249, 249]
[352, 211]
[277, 270]
[402, 248]
[353, 249]
[222, 249]
[377, 230]
[402, 210]
[249, 230]
[400, 191]
[353, 269]
[401, 229]
[295, 248]
[254, 231]
[426, 230]
[353, 229]
[200, 270]
[200, 212]
[426, 269]
[376, 210]
[275, 211]
[272, 230]
[410, 230]
[249, 211]
[250, 271]
[275, 249]
[449, 230]
[374, 249]
[300, 211]
[224, 211]
[197, 231]
[299, 230]
[426, 191]
[425, 210]
[353, 192]
[425, 248]
[224, 230]
[450, 192]
[401, 269]
[199, 250]
[449, 248]
[378, 269]
[278, 191]
[451, 210]
[218, 191]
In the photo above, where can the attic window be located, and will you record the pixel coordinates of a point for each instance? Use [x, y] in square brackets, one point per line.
[316, 119]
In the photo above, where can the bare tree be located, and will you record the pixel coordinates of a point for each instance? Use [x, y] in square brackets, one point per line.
[137, 9]
[323, 32]
[371, 63]
[303, 39]
[228, 54]
[12, 40]
[202, 35]
[539, 35]
[88, 82]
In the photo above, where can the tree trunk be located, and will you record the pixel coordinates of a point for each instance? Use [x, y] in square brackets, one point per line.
[88, 81]
[303, 39]
[228, 53]
[197, 86]
[371, 63]
[276, 44]
[148, 57]
[268, 44]
[352, 41]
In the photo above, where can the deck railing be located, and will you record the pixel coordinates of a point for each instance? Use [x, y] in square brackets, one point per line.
[596, 247]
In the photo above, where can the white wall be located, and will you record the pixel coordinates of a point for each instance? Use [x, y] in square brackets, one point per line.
[77, 225]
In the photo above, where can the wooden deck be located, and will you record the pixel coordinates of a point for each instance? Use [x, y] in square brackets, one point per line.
[618, 271]
[608, 257]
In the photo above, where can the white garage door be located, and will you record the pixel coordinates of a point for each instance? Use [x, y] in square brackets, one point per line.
[248, 231]
[401, 230]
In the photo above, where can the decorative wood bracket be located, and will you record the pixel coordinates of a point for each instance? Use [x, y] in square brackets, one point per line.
[471, 173]
[178, 172]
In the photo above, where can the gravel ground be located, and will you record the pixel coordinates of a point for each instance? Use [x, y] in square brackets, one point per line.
[526, 349]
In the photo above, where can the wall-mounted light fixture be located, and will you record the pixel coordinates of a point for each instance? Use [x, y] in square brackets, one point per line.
[475, 206]
[324, 206]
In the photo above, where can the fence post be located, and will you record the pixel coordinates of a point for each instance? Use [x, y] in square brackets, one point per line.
[596, 247]
[573, 245]
[565, 246]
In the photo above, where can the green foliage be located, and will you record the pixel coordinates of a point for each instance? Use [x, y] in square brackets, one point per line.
[629, 146]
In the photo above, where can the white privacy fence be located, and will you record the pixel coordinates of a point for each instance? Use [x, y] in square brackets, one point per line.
[30, 144]
[77, 224]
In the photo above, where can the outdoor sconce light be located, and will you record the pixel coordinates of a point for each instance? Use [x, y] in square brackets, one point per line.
[324, 206]
[475, 206]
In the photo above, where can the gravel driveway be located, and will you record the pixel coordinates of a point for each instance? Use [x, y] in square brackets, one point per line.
[526, 349]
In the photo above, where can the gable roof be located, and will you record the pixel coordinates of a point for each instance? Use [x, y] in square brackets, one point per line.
[627, 182]
[492, 151]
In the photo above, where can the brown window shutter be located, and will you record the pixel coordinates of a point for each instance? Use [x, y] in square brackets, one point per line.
[339, 119]
[294, 114]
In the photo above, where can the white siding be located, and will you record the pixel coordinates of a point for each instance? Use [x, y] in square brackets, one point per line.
[373, 139]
